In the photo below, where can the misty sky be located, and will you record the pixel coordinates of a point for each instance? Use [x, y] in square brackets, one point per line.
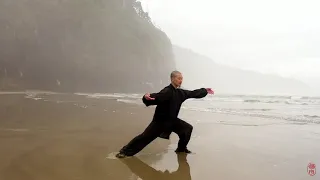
[274, 36]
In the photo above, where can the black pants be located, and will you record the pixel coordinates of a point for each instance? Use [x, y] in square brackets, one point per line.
[180, 127]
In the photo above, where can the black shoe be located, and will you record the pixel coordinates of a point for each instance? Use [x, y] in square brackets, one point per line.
[121, 155]
[183, 151]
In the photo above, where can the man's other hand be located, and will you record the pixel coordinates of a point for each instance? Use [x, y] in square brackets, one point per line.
[210, 91]
[147, 96]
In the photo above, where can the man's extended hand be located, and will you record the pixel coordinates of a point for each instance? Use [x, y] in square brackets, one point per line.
[147, 96]
[210, 91]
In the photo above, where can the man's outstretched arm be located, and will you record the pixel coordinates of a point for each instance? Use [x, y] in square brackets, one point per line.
[155, 98]
[198, 93]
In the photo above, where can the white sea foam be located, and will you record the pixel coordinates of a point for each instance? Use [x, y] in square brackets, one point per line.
[110, 95]
[6, 93]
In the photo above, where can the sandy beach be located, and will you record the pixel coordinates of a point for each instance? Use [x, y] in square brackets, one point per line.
[69, 137]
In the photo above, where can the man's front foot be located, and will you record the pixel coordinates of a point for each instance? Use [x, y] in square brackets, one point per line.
[121, 155]
[183, 151]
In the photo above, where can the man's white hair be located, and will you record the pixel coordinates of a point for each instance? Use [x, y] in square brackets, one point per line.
[174, 74]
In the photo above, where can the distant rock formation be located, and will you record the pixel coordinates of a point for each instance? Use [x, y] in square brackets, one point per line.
[81, 46]
[202, 71]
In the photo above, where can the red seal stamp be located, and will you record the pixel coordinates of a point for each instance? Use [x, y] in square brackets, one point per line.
[311, 169]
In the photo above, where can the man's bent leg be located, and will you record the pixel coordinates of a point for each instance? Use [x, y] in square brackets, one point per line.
[142, 140]
[184, 131]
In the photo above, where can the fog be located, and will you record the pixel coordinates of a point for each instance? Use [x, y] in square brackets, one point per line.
[267, 47]
[81, 46]
[276, 37]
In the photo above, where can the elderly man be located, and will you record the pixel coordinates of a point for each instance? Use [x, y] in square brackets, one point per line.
[165, 119]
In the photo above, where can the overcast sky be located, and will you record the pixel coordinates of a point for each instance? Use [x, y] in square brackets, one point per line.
[274, 36]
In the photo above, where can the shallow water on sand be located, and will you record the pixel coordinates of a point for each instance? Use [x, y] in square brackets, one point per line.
[61, 136]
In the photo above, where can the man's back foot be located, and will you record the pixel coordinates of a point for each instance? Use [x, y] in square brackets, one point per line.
[183, 151]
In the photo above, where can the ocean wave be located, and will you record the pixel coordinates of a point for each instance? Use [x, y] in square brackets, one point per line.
[6, 93]
[272, 96]
[33, 96]
[27, 92]
[271, 102]
[109, 95]
[297, 118]
[130, 101]
[252, 100]
[295, 103]
[257, 109]
[311, 116]
[267, 101]
[99, 95]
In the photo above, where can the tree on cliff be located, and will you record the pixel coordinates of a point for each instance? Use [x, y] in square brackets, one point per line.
[83, 45]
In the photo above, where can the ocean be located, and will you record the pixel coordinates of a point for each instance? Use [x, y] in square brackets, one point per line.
[295, 109]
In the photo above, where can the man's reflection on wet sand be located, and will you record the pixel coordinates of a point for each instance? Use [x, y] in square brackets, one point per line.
[146, 172]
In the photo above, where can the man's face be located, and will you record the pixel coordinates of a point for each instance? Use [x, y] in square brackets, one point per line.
[177, 80]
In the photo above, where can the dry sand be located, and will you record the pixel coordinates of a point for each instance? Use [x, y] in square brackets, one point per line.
[67, 137]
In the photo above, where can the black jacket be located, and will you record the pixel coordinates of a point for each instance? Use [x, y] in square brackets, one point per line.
[169, 101]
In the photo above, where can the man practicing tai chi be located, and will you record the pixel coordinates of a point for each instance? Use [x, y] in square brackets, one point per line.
[165, 119]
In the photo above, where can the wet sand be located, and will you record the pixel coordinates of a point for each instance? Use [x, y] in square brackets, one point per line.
[70, 137]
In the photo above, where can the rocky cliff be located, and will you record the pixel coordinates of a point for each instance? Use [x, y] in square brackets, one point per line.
[81, 46]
